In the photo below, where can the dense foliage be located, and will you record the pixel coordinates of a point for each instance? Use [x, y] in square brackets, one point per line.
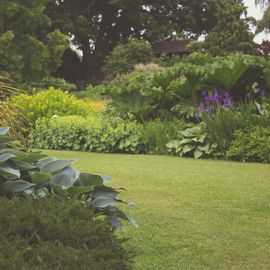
[49, 103]
[96, 134]
[231, 32]
[33, 173]
[125, 56]
[30, 48]
[146, 96]
[96, 27]
[53, 234]
[48, 82]
[251, 144]
[157, 133]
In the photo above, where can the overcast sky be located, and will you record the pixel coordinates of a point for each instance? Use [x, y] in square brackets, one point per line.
[257, 13]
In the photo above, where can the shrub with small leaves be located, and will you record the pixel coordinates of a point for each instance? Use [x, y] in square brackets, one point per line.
[52, 234]
[49, 103]
[92, 134]
[251, 144]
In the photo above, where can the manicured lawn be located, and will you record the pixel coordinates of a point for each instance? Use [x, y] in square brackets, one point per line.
[192, 214]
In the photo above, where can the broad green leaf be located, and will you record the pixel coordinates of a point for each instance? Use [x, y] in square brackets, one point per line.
[20, 155]
[204, 148]
[39, 178]
[56, 166]
[24, 166]
[5, 157]
[103, 202]
[34, 157]
[198, 153]
[64, 178]
[17, 186]
[43, 162]
[102, 191]
[88, 180]
[8, 169]
[75, 191]
[188, 148]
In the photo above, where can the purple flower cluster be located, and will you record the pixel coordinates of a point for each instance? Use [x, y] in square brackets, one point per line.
[215, 101]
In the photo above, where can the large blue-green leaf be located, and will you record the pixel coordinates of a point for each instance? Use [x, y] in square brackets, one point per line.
[103, 202]
[8, 169]
[17, 186]
[43, 162]
[5, 157]
[55, 166]
[19, 155]
[65, 178]
[102, 191]
[76, 191]
[34, 157]
[24, 166]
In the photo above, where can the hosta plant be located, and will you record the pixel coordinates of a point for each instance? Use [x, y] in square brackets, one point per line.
[193, 142]
[33, 173]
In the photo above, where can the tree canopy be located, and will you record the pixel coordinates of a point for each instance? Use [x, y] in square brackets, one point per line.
[29, 47]
[96, 26]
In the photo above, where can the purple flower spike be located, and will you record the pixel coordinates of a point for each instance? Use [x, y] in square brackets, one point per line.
[262, 93]
[204, 93]
[202, 108]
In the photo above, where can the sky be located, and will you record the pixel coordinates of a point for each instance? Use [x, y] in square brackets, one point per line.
[257, 13]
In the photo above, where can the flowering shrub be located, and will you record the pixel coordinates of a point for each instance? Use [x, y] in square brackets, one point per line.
[51, 102]
[215, 101]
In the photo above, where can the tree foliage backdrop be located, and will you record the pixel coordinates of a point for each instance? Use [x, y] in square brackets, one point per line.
[30, 48]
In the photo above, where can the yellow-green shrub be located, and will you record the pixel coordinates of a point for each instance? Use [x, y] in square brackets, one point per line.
[52, 102]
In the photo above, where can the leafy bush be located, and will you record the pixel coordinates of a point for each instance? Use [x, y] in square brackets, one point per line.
[125, 56]
[158, 133]
[251, 145]
[46, 83]
[150, 95]
[35, 174]
[49, 103]
[193, 142]
[222, 125]
[92, 92]
[53, 234]
[94, 134]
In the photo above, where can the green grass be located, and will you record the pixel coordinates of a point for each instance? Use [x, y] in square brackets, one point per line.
[192, 214]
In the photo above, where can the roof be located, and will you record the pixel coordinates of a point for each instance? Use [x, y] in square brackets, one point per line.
[178, 46]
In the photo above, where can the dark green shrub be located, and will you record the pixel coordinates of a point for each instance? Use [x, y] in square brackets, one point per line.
[125, 56]
[158, 133]
[251, 145]
[96, 134]
[52, 234]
